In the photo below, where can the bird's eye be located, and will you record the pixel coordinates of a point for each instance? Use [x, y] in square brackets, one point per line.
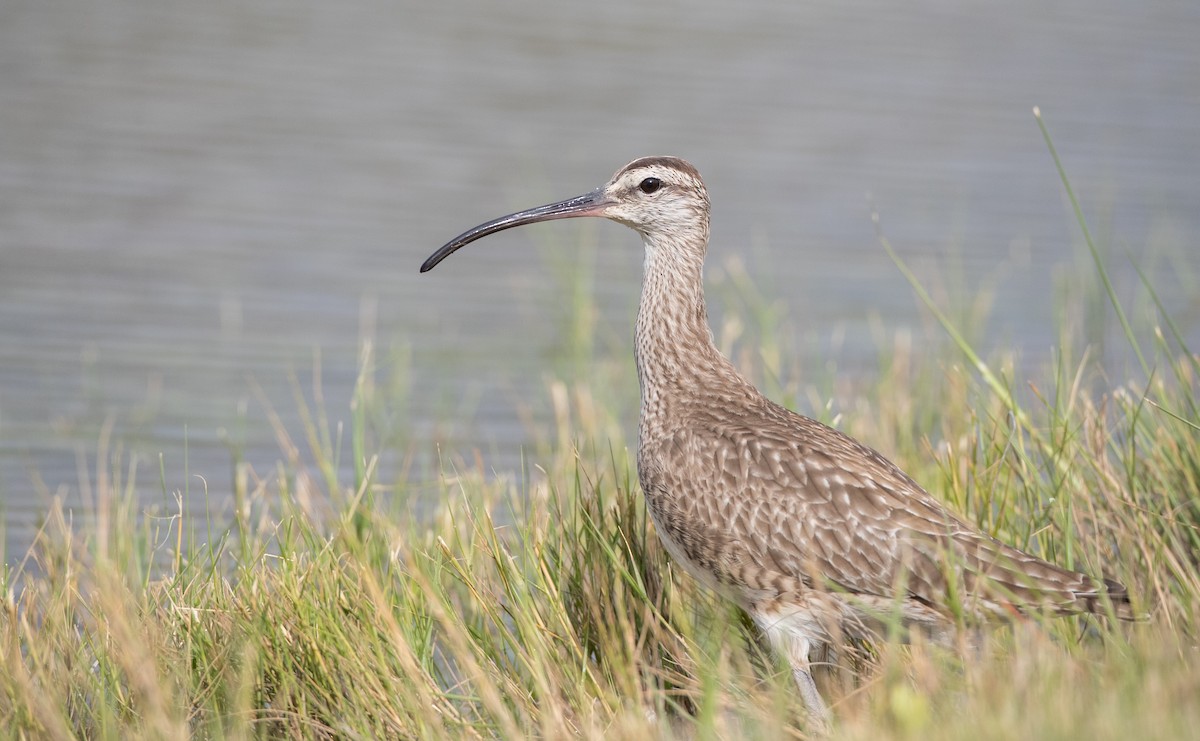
[649, 185]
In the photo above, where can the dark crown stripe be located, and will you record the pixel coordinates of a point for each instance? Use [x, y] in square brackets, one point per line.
[671, 163]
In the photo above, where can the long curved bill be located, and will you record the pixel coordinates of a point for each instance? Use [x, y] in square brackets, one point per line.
[588, 204]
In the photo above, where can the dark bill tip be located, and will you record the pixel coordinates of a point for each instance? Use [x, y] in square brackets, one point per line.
[588, 204]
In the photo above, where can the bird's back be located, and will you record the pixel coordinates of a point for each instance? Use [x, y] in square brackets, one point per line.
[768, 505]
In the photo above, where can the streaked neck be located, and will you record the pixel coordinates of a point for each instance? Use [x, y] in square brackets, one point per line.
[674, 343]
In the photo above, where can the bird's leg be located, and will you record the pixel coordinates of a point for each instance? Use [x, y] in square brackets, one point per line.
[798, 647]
[812, 699]
[791, 635]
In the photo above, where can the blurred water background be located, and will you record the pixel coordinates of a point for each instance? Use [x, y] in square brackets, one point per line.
[202, 199]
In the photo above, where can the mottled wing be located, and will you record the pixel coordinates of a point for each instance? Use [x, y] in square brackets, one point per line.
[776, 502]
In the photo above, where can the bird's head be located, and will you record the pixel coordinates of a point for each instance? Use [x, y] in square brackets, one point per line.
[663, 198]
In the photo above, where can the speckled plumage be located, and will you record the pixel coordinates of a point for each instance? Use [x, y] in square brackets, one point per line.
[815, 535]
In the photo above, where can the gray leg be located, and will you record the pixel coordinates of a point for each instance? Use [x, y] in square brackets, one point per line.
[791, 634]
[797, 647]
[817, 710]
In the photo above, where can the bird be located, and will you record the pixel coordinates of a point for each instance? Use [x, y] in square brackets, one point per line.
[818, 537]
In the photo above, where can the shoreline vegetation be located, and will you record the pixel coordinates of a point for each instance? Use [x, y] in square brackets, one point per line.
[540, 603]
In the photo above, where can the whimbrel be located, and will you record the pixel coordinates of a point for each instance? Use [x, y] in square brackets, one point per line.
[815, 535]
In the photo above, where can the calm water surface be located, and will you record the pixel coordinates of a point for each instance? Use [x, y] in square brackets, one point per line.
[198, 199]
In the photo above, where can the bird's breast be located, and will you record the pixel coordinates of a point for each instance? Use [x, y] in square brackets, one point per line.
[700, 523]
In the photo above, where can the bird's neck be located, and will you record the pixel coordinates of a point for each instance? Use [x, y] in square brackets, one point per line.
[676, 355]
